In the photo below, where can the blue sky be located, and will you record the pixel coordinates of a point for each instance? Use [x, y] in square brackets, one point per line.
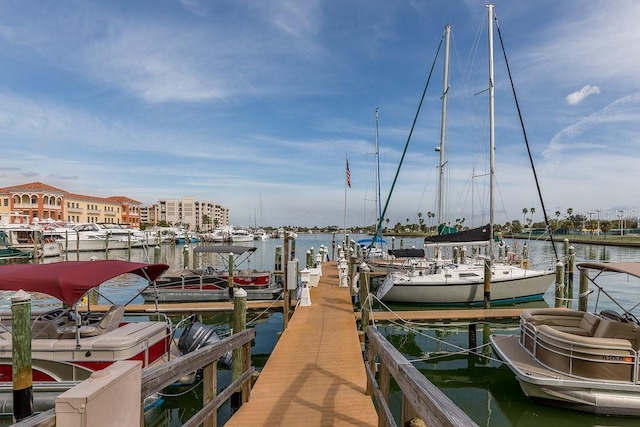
[255, 104]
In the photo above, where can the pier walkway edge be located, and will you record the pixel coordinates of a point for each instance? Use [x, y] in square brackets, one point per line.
[316, 373]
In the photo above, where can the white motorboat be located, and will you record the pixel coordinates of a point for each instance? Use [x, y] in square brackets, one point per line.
[21, 235]
[82, 237]
[241, 235]
[576, 359]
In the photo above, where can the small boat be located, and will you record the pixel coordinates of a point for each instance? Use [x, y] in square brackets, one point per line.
[241, 235]
[69, 344]
[586, 361]
[261, 235]
[212, 283]
[9, 253]
[373, 248]
[17, 233]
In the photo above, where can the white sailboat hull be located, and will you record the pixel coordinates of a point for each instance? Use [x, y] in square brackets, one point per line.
[461, 286]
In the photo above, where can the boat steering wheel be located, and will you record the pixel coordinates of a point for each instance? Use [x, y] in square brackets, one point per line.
[55, 314]
[631, 317]
[612, 315]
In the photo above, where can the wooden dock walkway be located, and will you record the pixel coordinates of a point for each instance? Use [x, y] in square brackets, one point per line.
[315, 375]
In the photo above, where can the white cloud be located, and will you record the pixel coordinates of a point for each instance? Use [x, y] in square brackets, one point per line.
[578, 96]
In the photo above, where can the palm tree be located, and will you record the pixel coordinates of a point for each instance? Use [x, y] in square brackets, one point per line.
[569, 218]
[524, 215]
[532, 211]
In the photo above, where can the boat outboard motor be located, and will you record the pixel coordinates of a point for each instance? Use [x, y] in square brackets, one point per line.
[197, 335]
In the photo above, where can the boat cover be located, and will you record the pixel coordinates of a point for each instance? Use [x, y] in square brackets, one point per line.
[473, 235]
[69, 281]
[221, 249]
[406, 253]
[632, 268]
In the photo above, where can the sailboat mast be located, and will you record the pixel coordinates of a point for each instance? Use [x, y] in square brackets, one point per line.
[492, 147]
[377, 195]
[443, 125]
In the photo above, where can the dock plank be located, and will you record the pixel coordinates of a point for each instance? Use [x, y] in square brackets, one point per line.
[315, 375]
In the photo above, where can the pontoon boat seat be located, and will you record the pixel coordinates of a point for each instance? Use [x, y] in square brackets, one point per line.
[110, 321]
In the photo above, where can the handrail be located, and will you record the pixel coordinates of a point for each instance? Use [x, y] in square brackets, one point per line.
[420, 398]
[157, 378]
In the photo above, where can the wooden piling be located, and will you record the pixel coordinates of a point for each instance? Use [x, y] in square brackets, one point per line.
[559, 285]
[583, 298]
[230, 279]
[21, 355]
[278, 262]
[185, 256]
[569, 274]
[239, 325]
[487, 283]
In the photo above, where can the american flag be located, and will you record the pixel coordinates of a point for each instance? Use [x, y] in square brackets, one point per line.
[348, 175]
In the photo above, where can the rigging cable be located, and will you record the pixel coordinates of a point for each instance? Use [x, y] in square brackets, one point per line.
[526, 140]
[406, 146]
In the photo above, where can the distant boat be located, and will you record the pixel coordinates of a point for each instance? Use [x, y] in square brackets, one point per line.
[261, 235]
[241, 235]
[212, 283]
[17, 233]
[8, 253]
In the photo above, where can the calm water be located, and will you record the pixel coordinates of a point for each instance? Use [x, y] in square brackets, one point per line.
[482, 386]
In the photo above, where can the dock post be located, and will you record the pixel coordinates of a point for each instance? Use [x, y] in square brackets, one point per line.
[239, 325]
[278, 262]
[473, 338]
[569, 273]
[230, 278]
[364, 295]
[195, 260]
[293, 248]
[77, 246]
[285, 292]
[584, 289]
[352, 272]
[487, 283]
[185, 256]
[21, 356]
[156, 254]
[307, 261]
[559, 284]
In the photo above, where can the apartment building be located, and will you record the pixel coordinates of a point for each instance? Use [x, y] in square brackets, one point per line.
[196, 214]
[42, 201]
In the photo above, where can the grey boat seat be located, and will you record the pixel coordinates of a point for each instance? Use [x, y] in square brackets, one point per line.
[110, 321]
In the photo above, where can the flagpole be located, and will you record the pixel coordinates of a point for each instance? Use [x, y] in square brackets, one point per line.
[346, 178]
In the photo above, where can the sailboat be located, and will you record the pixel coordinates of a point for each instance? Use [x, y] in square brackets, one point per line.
[460, 281]
[375, 248]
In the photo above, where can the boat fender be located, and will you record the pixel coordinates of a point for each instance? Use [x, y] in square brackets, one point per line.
[197, 335]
